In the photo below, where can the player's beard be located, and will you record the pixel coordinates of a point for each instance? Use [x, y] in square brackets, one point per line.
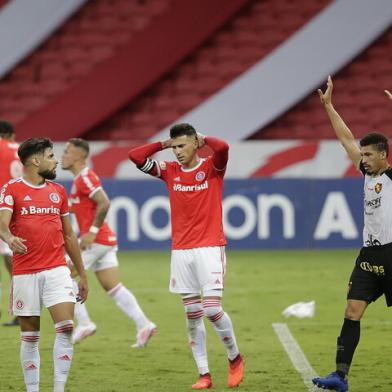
[48, 174]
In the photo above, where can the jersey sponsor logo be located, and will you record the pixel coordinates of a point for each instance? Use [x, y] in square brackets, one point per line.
[375, 203]
[27, 198]
[200, 176]
[190, 188]
[9, 200]
[378, 187]
[376, 269]
[54, 197]
[32, 210]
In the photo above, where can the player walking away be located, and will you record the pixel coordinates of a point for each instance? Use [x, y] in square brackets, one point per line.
[198, 250]
[99, 244]
[34, 222]
[10, 167]
[372, 273]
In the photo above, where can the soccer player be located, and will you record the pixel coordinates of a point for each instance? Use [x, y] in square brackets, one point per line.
[98, 243]
[198, 258]
[372, 273]
[34, 222]
[10, 167]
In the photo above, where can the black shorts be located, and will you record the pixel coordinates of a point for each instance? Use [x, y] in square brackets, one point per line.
[372, 274]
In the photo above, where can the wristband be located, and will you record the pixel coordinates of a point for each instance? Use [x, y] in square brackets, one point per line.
[94, 229]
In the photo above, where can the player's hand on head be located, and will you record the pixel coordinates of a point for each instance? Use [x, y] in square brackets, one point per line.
[17, 245]
[389, 94]
[166, 143]
[200, 139]
[326, 97]
[83, 289]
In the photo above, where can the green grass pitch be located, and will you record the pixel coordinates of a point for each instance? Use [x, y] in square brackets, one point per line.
[259, 285]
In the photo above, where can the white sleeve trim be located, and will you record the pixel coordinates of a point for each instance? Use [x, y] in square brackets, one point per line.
[92, 193]
[6, 208]
[66, 214]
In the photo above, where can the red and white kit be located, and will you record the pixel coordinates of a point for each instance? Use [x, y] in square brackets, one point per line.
[196, 215]
[102, 254]
[36, 217]
[10, 167]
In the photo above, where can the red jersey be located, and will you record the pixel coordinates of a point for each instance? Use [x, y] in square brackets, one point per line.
[195, 203]
[10, 165]
[85, 185]
[195, 194]
[36, 217]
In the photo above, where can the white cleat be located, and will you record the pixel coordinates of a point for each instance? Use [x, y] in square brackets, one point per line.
[83, 331]
[145, 334]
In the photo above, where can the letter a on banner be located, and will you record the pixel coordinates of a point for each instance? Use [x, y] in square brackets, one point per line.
[335, 217]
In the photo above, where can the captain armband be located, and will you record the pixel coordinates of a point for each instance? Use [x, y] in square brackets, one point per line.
[147, 166]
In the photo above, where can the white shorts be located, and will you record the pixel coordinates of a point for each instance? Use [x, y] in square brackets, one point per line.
[195, 270]
[5, 249]
[100, 257]
[46, 288]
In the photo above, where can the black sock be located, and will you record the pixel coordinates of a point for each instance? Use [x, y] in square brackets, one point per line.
[346, 345]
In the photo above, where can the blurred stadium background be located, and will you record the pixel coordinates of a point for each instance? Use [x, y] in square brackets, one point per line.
[119, 72]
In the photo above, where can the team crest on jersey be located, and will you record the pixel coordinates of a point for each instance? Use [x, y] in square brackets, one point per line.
[54, 197]
[162, 165]
[200, 176]
[378, 187]
[9, 200]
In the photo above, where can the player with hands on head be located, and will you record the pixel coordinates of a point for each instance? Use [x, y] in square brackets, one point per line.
[198, 260]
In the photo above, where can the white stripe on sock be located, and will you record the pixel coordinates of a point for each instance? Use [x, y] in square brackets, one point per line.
[296, 355]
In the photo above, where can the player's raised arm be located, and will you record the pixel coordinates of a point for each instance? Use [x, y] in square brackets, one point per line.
[219, 147]
[102, 201]
[140, 156]
[15, 243]
[342, 131]
[73, 250]
[389, 94]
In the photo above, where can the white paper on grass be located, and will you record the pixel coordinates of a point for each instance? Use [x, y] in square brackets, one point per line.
[300, 309]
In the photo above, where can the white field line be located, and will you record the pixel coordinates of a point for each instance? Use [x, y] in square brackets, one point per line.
[296, 355]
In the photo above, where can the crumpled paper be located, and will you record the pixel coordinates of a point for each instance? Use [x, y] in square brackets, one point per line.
[300, 309]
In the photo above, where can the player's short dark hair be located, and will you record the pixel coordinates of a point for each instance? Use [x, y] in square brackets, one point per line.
[182, 129]
[376, 139]
[81, 143]
[34, 145]
[6, 129]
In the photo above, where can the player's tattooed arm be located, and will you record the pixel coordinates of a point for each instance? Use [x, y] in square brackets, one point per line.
[389, 94]
[342, 131]
[16, 244]
[103, 203]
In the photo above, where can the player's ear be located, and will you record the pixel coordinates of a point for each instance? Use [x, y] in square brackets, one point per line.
[35, 160]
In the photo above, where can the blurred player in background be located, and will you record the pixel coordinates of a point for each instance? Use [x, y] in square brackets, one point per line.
[98, 243]
[34, 222]
[10, 167]
[198, 250]
[372, 273]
